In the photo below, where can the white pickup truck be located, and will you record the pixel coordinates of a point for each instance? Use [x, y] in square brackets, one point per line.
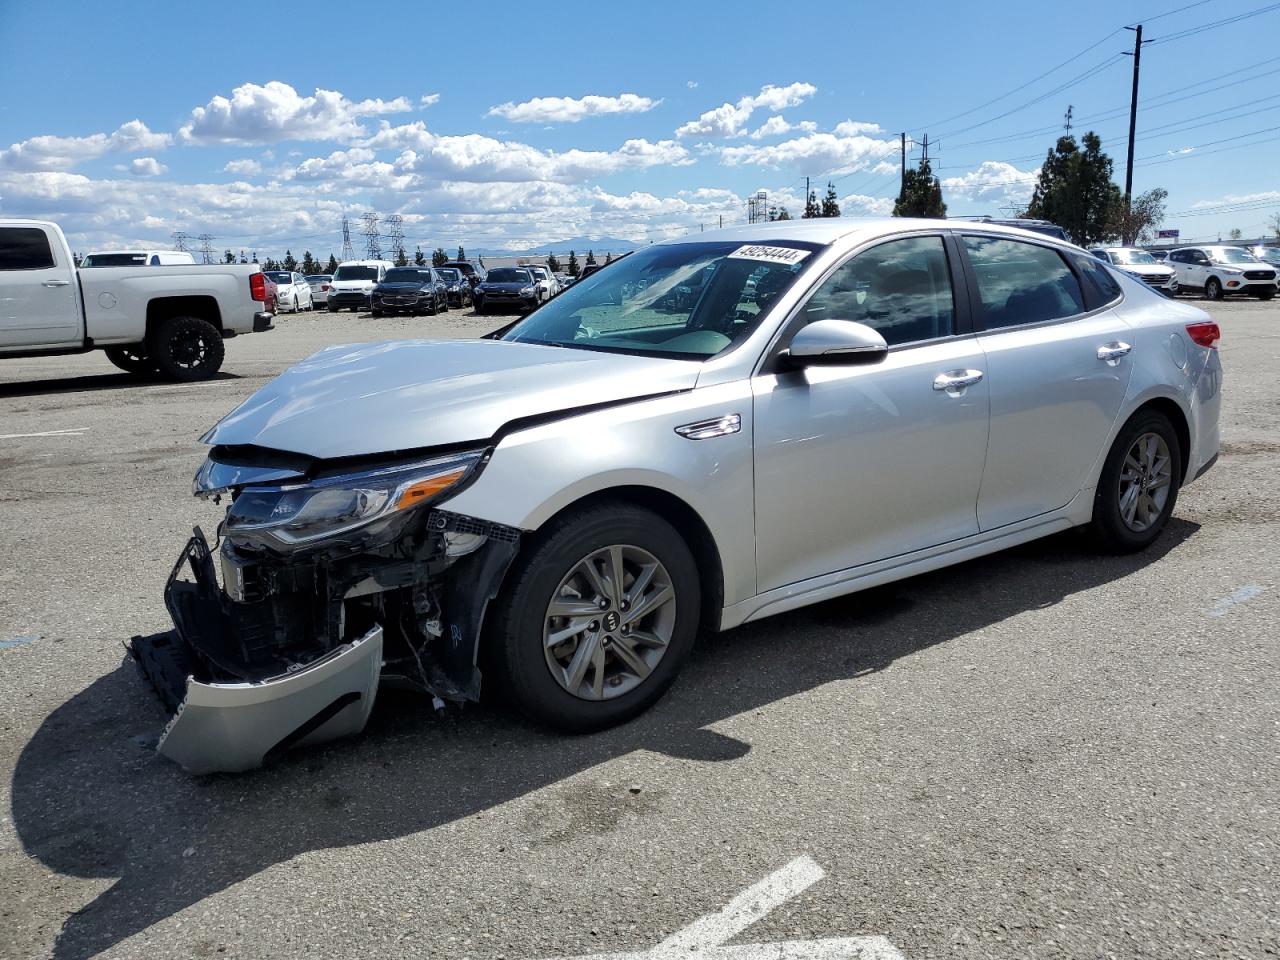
[169, 320]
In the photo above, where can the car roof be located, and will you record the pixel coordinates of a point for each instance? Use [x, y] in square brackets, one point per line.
[827, 230]
[366, 263]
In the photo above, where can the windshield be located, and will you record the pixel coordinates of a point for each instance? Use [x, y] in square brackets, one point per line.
[449, 275]
[464, 267]
[691, 300]
[508, 275]
[1230, 255]
[1131, 257]
[1269, 254]
[279, 276]
[354, 271]
[407, 275]
[114, 260]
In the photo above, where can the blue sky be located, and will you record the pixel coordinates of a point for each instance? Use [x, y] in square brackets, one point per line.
[518, 126]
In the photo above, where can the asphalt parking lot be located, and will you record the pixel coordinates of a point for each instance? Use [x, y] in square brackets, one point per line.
[1044, 753]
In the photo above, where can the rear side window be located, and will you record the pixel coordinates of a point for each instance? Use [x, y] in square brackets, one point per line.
[24, 248]
[1100, 287]
[1022, 283]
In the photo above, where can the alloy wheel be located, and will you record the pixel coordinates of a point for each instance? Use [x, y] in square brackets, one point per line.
[610, 622]
[1146, 477]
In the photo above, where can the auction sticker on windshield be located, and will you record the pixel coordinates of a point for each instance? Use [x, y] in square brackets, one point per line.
[783, 255]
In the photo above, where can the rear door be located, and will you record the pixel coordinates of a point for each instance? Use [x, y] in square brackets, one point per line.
[37, 291]
[1058, 361]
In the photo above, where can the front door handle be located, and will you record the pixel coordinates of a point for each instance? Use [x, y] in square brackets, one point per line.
[57, 283]
[955, 381]
[1111, 353]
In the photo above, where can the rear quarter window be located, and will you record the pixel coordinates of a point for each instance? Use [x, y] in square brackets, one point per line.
[1100, 287]
[25, 248]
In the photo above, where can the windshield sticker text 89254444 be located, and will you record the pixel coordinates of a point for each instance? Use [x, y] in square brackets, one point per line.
[756, 251]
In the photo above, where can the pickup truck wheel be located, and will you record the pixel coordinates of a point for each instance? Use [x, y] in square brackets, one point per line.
[186, 349]
[596, 618]
[131, 359]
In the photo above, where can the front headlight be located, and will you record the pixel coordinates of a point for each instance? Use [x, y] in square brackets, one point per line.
[298, 514]
[526, 291]
[1230, 271]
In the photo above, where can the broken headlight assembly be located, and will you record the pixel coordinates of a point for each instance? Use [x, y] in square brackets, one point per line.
[288, 516]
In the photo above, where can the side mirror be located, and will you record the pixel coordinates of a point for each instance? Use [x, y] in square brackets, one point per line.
[835, 343]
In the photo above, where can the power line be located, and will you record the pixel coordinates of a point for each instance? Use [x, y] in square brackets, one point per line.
[1214, 25]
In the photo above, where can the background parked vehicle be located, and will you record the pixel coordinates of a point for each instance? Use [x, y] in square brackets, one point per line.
[353, 283]
[1036, 226]
[474, 273]
[1221, 270]
[1140, 265]
[458, 287]
[509, 288]
[545, 283]
[411, 290]
[319, 284]
[166, 319]
[137, 258]
[293, 292]
[1160, 256]
[1269, 255]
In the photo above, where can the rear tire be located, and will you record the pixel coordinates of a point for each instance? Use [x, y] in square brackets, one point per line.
[186, 349]
[537, 678]
[1213, 289]
[1144, 463]
[132, 359]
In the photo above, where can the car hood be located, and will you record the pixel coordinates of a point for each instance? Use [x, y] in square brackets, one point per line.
[1147, 269]
[372, 398]
[402, 287]
[511, 285]
[352, 284]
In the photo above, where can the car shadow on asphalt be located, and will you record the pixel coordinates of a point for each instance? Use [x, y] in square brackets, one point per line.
[93, 381]
[92, 800]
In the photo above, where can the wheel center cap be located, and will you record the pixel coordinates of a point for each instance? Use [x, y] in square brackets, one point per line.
[612, 621]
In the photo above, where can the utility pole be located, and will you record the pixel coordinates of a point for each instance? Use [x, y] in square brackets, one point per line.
[1133, 124]
[902, 183]
[806, 191]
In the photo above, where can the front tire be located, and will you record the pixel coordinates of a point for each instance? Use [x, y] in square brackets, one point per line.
[596, 618]
[1139, 485]
[1213, 289]
[186, 349]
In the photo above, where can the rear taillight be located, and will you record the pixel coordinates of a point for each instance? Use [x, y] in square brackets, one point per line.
[258, 287]
[1206, 334]
[324, 286]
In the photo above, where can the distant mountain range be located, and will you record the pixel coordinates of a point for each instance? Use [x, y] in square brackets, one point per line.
[561, 248]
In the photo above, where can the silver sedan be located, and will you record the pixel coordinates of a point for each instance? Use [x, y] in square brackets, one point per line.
[701, 434]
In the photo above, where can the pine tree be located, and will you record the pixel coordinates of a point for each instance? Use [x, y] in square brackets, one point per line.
[1075, 190]
[811, 208]
[419, 258]
[228, 257]
[779, 213]
[921, 194]
[438, 257]
[289, 263]
[309, 265]
[402, 259]
[573, 268]
[552, 263]
[462, 254]
[332, 266]
[830, 208]
[608, 258]
[591, 258]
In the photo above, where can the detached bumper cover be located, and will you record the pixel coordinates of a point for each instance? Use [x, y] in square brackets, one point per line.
[232, 727]
[262, 322]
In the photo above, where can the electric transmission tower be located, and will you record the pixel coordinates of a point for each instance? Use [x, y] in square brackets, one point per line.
[206, 247]
[180, 240]
[373, 241]
[348, 251]
[758, 207]
[395, 235]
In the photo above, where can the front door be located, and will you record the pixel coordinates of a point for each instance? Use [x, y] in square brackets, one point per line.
[37, 293]
[860, 463]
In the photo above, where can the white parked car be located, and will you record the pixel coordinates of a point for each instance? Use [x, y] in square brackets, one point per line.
[353, 282]
[1140, 265]
[293, 293]
[1219, 270]
[544, 282]
[137, 258]
[1269, 255]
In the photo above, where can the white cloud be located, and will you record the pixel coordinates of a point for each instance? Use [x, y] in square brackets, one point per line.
[851, 128]
[248, 167]
[730, 119]
[147, 167]
[856, 204]
[775, 126]
[992, 182]
[275, 111]
[428, 99]
[569, 110]
[1262, 197]
[816, 154]
[691, 84]
[63, 153]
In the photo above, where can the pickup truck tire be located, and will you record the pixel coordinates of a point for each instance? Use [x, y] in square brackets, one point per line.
[132, 359]
[186, 349]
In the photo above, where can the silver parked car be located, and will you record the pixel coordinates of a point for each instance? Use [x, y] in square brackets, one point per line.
[557, 510]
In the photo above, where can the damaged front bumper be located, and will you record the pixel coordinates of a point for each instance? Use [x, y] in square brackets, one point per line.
[290, 651]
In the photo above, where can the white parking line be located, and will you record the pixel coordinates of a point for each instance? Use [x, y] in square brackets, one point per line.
[704, 938]
[1235, 598]
[71, 432]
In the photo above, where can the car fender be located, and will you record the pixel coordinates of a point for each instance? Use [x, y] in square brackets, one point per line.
[535, 473]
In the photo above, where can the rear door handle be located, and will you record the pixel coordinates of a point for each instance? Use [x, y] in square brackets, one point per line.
[954, 381]
[1112, 352]
[57, 283]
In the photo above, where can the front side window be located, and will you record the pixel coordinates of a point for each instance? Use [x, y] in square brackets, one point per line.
[689, 300]
[1021, 282]
[901, 288]
[24, 248]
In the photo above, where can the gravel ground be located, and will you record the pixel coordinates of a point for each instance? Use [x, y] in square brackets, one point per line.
[1044, 753]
